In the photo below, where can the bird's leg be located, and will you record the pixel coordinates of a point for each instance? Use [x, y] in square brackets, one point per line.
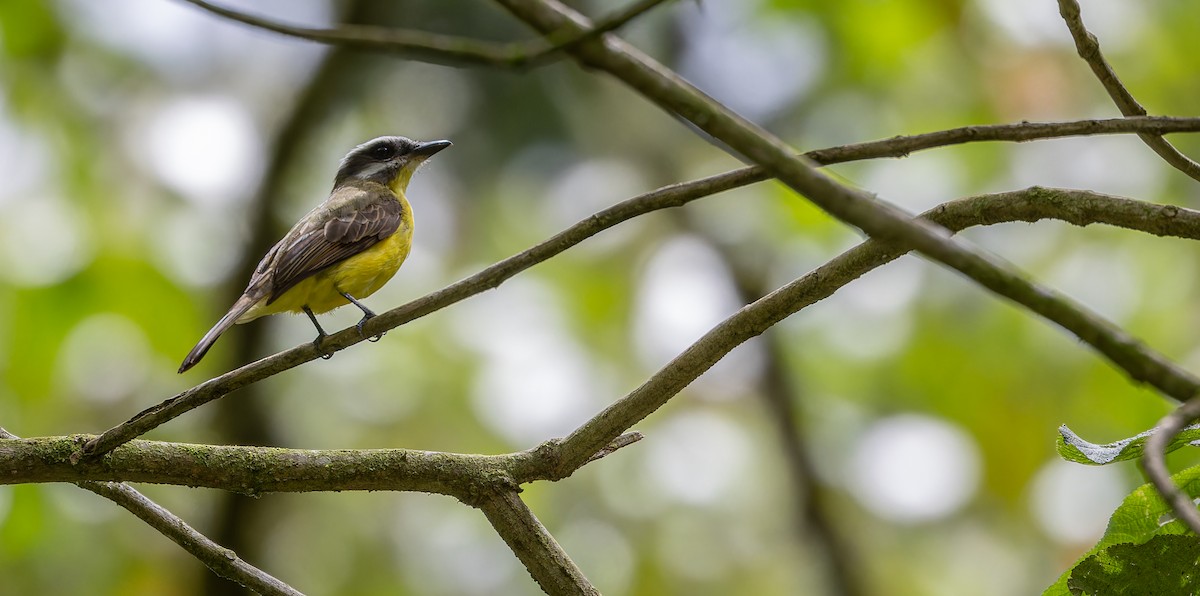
[368, 314]
[321, 335]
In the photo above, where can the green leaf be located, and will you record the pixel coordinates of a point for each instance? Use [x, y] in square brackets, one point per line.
[1141, 517]
[1073, 448]
[1162, 565]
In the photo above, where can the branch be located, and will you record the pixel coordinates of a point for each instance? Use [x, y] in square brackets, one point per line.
[545, 560]
[669, 196]
[878, 219]
[260, 469]
[1155, 464]
[1089, 49]
[1073, 206]
[442, 49]
[255, 470]
[568, 40]
[220, 560]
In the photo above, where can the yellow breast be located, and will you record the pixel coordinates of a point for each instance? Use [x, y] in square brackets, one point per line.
[360, 276]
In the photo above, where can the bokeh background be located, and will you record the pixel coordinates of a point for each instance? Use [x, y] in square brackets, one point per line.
[150, 152]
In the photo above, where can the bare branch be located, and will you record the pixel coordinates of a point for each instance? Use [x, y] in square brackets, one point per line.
[419, 45]
[1089, 49]
[545, 560]
[1155, 464]
[222, 561]
[669, 196]
[1073, 206]
[442, 49]
[878, 219]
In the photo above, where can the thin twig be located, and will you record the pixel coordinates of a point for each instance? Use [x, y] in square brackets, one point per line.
[222, 561]
[878, 219]
[442, 49]
[669, 196]
[259, 469]
[568, 40]
[1089, 49]
[1155, 464]
[549, 565]
[620, 442]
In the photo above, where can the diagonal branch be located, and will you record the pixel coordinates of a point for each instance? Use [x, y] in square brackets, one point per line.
[442, 49]
[541, 554]
[669, 196]
[1073, 206]
[260, 469]
[1089, 49]
[222, 561]
[878, 219]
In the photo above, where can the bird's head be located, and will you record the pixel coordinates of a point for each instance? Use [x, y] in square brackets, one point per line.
[390, 161]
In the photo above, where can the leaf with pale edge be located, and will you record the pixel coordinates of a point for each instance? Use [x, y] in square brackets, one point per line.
[1140, 518]
[1073, 448]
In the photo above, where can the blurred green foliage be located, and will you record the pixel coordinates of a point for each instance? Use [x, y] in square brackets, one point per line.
[133, 134]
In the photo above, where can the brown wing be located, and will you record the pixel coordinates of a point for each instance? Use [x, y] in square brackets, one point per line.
[347, 232]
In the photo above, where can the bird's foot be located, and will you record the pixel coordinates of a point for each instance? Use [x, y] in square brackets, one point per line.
[367, 316]
[318, 344]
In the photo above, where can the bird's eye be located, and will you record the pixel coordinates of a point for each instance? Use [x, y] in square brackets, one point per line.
[383, 151]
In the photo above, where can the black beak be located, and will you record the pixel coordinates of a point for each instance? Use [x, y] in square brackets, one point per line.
[428, 148]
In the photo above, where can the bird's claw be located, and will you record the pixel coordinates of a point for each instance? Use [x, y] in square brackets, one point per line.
[363, 321]
[317, 344]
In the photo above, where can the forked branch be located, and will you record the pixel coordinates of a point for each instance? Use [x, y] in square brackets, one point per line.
[1089, 49]
[222, 561]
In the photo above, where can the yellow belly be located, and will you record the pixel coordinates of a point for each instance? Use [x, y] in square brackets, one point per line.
[360, 276]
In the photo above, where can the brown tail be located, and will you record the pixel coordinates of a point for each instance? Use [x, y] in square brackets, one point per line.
[238, 309]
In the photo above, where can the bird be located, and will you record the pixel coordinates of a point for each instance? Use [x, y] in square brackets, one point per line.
[343, 250]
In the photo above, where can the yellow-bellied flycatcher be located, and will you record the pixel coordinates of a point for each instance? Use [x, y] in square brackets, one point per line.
[344, 249]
